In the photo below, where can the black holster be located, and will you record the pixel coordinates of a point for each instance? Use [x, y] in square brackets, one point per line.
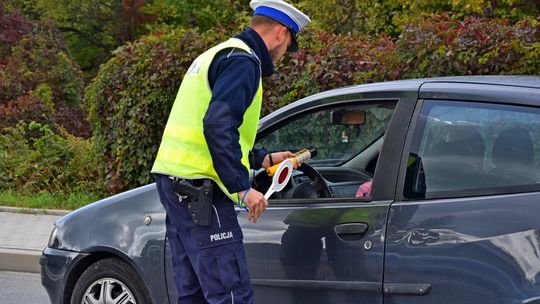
[199, 200]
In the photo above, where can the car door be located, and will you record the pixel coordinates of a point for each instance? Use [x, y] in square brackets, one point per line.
[464, 227]
[312, 249]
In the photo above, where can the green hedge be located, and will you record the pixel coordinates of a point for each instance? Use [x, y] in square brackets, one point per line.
[371, 17]
[442, 46]
[40, 108]
[33, 159]
[130, 98]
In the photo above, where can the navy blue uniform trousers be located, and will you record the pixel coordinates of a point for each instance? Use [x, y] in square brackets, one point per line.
[209, 263]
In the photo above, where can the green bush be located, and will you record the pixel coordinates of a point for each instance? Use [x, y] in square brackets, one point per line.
[35, 159]
[324, 62]
[362, 18]
[441, 46]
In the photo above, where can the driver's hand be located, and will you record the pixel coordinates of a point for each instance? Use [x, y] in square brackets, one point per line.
[277, 157]
[255, 202]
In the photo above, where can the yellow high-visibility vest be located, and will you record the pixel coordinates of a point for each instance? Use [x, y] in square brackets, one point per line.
[183, 151]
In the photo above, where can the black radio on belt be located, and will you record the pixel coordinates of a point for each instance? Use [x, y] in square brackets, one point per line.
[199, 200]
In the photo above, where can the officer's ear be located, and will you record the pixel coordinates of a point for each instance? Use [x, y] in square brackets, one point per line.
[281, 35]
[284, 33]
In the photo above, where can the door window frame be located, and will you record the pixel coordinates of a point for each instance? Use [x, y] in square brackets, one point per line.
[390, 154]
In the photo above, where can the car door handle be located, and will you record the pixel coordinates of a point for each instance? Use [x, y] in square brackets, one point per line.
[351, 231]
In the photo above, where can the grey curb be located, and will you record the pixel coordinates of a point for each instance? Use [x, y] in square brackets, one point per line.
[20, 260]
[34, 211]
[24, 260]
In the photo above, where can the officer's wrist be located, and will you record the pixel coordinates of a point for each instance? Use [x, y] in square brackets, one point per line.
[267, 161]
[243, 194]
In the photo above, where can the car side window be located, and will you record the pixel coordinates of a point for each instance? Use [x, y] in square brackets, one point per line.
[466, 149]
[348, 138]
[336, 143]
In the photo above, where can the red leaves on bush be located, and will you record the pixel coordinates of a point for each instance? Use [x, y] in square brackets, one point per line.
[13, 26]
[38, 81]
[441, 46]
[25, 107]
[133, 17]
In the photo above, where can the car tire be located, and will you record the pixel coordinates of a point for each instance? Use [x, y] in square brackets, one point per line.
[110, 280]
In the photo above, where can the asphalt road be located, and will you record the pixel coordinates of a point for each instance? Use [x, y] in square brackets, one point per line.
[22, 288]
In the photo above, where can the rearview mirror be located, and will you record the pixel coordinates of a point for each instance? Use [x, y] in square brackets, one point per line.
[348, 117]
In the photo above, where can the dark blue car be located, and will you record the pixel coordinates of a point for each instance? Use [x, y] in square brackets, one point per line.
[423, 191]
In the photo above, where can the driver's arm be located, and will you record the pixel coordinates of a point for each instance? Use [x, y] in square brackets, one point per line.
[271, 159]
[256, 158]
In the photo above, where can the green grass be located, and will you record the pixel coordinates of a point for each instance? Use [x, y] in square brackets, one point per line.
[47, 200]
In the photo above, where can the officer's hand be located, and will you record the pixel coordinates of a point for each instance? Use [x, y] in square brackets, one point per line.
[277, 157]
[255, 202]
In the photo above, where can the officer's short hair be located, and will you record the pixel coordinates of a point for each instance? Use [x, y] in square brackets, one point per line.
[260, 20]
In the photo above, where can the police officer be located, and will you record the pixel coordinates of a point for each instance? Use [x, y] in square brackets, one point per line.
[201, 168]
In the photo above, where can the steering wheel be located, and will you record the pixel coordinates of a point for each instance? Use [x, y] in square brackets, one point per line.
[315, 188]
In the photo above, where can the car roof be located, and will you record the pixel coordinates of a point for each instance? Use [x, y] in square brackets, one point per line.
[510, 80]
[406, 87]
[409, 85]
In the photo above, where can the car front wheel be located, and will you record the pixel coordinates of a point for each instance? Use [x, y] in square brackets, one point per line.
[110, 281]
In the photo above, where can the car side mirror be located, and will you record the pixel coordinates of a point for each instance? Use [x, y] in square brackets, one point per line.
[348, 117]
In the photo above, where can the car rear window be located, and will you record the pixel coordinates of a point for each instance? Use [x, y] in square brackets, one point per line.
[466, 149]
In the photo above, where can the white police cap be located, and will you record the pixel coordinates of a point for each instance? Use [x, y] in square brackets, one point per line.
[284, 13]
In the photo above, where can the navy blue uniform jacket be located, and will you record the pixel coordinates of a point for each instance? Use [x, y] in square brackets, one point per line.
[234, 79]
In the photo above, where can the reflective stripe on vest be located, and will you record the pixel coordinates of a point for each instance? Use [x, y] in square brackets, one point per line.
[183, 151]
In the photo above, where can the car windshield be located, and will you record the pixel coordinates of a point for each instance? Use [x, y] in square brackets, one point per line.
[335, 143]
